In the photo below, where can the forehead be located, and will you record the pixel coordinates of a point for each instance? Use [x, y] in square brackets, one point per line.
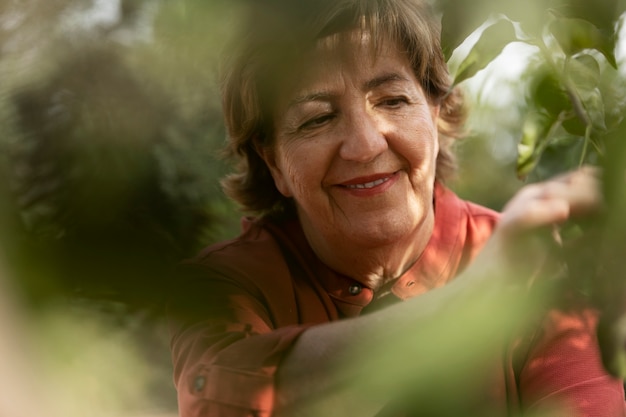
[355, 49]
[351, 54]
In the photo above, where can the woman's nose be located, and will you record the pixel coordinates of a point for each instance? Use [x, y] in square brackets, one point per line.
[363, 140]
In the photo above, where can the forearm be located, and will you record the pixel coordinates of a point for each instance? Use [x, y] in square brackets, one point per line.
[365, 361]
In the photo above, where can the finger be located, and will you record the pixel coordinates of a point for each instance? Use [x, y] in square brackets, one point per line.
[580, 188]
[531, 213]
[554, 201]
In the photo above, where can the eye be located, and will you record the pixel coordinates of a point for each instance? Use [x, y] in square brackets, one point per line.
[317, 121]
[394, 102]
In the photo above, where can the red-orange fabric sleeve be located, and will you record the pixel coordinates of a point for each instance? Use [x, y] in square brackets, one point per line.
[225, 350]
[564, 367]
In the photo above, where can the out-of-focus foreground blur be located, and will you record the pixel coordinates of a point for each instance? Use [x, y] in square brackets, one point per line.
[110, 133]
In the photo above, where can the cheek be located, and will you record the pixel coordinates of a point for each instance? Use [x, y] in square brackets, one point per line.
[422, 147]
[429, 135]
[296, 168]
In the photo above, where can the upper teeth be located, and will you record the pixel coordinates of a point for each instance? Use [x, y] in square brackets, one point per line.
[369, 184]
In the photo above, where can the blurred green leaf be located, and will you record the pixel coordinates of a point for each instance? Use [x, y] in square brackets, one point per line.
[560, 154]
[594, 106]
[490, 44]
[601, 13]
[534, 133]
[575, 126]
[576, 35]
[548, 92]
[584, 71]
[583, 77]
[609, 284]
[460, 18]
[613, 88]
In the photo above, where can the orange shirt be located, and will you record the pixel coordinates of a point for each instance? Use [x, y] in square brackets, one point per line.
[241, 304]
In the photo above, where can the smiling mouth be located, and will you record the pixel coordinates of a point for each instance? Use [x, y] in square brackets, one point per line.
[368, 185]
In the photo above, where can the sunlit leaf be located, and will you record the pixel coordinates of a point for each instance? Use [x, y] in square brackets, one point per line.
[576, 35]
[490, 44]
[529, 14]
[534, 132]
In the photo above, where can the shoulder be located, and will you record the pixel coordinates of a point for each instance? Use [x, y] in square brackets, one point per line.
[475, 212]
[255, 239]
[480, 213]
[478, 221]
[252, 259]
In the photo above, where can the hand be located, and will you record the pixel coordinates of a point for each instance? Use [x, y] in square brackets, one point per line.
[527, 234]
[552, 202]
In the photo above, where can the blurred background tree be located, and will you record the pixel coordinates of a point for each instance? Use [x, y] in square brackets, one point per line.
[110, 134]
[110, 131]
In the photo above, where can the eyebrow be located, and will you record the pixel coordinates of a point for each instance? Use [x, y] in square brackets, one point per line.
[368, 85]
[383, 79]
[322, 95]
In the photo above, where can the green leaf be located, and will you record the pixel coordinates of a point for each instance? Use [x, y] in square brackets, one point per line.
[490, 44]
[601, 13]
[613, 88]
[561, 154]
[584, 72]
[576, 35]
[548, 93]
[594, 105]
[575, 126]
[459, 19]
[534, 133]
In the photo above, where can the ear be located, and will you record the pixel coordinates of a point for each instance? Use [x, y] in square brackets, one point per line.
[268, 155]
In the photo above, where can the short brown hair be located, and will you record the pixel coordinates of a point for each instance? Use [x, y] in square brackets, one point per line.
[277, 36]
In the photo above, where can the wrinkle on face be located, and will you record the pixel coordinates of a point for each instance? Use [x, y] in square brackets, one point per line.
[350, 117]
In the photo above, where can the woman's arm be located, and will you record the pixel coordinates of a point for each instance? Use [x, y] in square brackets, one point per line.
[353, 367]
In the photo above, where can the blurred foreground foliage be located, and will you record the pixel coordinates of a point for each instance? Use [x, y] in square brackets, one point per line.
[110, 131]
[570, 107]
[110, 128]
[109, 144]
[574, 93]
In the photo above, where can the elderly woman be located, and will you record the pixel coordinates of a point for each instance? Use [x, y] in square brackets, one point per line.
[343, 120]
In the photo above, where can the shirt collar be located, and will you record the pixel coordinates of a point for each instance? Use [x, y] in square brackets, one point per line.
[435, 266]
[437, 263]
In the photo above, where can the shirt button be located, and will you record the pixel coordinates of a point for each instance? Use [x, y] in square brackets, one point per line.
[198, 383]
[355, 289]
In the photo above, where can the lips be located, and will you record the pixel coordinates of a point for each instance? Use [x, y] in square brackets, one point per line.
[368, 182]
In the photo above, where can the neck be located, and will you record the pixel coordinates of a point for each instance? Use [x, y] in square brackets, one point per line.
[377, 265]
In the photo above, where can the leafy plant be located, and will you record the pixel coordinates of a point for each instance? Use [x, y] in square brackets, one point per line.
[573, 115]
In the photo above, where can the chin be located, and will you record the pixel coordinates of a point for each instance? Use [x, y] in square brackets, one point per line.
[383, 235]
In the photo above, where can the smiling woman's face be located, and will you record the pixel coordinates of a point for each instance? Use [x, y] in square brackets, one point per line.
[356, 148]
